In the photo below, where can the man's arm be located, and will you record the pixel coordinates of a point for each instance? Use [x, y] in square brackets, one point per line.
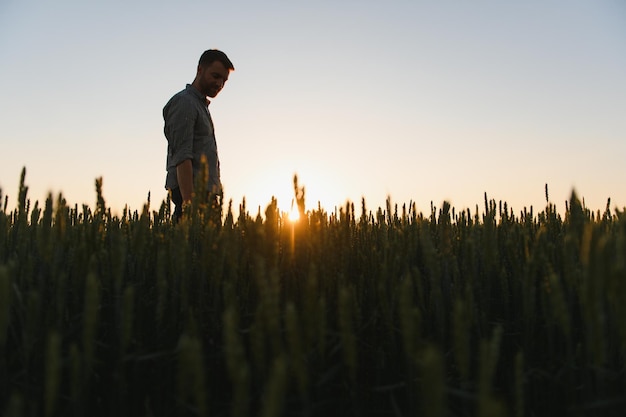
[184, 172]
[180, 116]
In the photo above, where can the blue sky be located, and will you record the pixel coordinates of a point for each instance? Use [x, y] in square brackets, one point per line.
[419, 101]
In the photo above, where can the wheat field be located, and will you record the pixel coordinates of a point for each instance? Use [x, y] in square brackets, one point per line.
[357, 312]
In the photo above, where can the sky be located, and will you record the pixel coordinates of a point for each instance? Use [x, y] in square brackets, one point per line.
[417, 101]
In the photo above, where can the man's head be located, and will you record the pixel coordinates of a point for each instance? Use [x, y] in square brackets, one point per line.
[213, 70]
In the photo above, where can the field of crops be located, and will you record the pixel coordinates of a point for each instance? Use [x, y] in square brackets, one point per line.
[390, 312]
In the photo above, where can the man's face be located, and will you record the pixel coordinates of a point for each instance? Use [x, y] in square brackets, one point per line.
[212, 78]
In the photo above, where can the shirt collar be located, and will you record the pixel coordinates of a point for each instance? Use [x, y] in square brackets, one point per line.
[198, 94]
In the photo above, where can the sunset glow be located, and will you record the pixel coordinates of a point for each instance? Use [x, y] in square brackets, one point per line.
[294, 214]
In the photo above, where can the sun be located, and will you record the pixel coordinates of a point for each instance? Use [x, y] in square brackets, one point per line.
[294, 213]
[321, 190]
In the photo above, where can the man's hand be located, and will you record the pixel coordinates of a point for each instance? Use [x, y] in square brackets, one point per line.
[184, 172]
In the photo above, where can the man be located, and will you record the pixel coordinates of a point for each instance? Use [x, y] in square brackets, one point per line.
[189, 130]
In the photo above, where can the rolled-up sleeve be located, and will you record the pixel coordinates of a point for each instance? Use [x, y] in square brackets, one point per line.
[180, 117]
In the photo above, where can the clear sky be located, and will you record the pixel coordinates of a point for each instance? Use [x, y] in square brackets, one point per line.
[418, 100]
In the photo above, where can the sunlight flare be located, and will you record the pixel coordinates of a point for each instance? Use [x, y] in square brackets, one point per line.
[294, 214]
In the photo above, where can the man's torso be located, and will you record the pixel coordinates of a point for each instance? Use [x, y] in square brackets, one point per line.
[190, 135]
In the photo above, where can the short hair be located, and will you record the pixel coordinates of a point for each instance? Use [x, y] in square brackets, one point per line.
[211, 55]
